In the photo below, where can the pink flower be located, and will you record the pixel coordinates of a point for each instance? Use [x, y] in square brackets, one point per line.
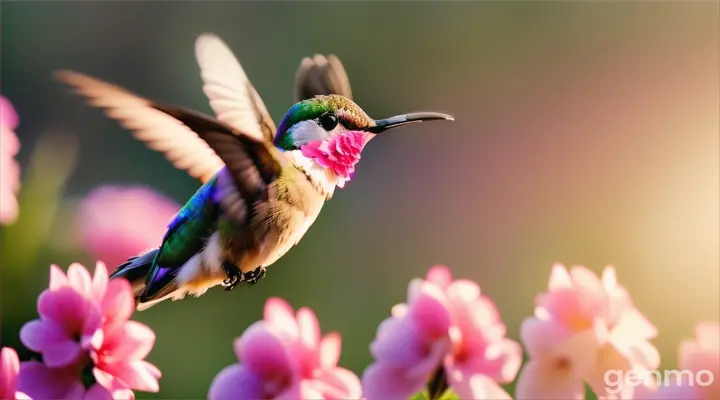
[284, 357]
[84, 325]
[445, 324]
[583, 327]
[701, 357]
[9, 367]
[9, 168]
[70, 322]
[339, 153]
[118, 222]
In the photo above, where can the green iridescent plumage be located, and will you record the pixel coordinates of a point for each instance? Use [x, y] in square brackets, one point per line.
[185, 237]
[349, 113]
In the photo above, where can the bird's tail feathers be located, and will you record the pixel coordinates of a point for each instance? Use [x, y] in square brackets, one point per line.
[136, 270]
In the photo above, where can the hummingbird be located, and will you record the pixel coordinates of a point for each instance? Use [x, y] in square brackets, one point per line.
[262, 186]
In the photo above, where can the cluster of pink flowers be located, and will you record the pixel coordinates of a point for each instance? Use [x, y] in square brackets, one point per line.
[89, 347]
[448, 335]
[284, 357]
[583, 327]
[9, 168]
[445, 324]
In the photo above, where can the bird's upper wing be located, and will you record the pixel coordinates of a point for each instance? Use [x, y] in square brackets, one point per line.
[160, 132]
[252, 164]
[231, 95]
[321, 75]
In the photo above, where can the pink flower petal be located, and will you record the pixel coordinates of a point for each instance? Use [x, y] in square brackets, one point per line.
[382, 381]
[236, 382]
[500, 362]
[98, 392]
[279, 314]
[40, 382]
[50, 339]
[542, 337]
[118, 304]
[8, 116]
[261, 350]
[308, 327]
[9, 368]
[338, 384]
[632, 324]
[559, 278]
[330, 350]
[439, 275]
[429, 310]
[539, 381]
[136, 374]
[99, 282]
[65, 306]
[475, 386]
[79, 278]
[57, 278]
[131, 341]
[399, 343]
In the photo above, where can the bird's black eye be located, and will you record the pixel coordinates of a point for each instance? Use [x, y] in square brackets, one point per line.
[328, 121]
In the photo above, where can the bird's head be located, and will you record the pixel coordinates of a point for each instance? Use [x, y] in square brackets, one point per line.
[332, 131]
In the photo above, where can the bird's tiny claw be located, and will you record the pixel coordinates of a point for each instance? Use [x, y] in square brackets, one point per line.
[255, 275]
[234, 276]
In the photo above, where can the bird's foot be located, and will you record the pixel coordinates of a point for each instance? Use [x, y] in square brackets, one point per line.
[255, 275]
[234, 276]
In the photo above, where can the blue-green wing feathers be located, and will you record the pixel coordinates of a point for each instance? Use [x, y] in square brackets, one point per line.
[186, 236]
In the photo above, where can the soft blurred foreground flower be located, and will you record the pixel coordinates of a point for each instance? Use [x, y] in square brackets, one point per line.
[284, 357]
[583, 328]
[9, 168]
[9, 368]
[699, 373]
[118, 222]
[447, 325]
[87, 343]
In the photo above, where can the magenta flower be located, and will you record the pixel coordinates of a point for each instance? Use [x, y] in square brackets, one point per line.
[284, 357]
[700, 357]
[445, 324]
[340, 153]
[84, 324]
[583, 327]
[9, 168]
[70, 322]
[118, 222]
[9, 367]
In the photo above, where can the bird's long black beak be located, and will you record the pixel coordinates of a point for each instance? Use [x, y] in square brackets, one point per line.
[381, 125]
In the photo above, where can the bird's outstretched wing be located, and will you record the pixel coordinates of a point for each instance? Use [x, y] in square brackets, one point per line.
[252, 164]
[160, 132]
[321, 75]
[231, 95]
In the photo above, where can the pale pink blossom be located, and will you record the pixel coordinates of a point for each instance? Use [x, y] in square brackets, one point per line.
[9, 368]
[340, 153]
[445, 324]
[700, 367]
[582, 328]
[9, 168]
[284, 357]
[118, 222]
[84, 324]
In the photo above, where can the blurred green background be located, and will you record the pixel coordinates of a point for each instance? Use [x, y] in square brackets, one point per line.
[585, 133]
